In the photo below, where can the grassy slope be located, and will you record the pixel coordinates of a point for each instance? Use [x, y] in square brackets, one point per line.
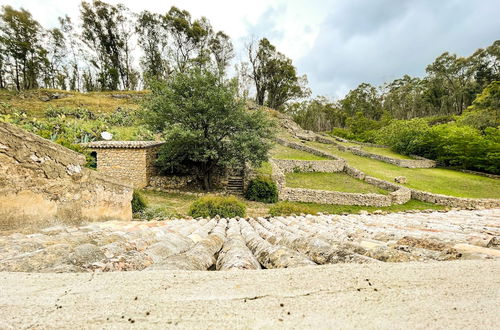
[385, 152]
[376, 150]
[30, 101]
[282, 152]
[436, 180]
[331, 181]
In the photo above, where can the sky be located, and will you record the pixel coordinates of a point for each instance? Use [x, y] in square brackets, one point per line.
[338, 44]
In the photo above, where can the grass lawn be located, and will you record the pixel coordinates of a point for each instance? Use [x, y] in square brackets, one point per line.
[265, 169]
[282, 152]
[287, 208]
[331, 181]
[435, 180]
[168, 204]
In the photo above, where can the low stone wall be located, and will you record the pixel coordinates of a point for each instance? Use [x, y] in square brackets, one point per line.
[43, 183]
[460, 202]
[327, 166]
[334, 197]
[399, 195]
[302, 147]
[418, 162]
[172, 182]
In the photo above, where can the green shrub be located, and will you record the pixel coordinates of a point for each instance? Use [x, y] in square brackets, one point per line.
[262, 189]
[209, 206]
[138, 202]
[287, 208]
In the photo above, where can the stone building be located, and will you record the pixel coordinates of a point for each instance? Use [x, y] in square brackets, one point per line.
[130, 161]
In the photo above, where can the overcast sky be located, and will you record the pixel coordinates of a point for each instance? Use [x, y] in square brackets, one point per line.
[337, 43]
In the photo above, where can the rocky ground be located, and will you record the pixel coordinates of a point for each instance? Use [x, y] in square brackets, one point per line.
[276, 242]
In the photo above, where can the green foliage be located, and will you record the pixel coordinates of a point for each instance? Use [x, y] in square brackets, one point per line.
[485, 110]
[288, 208]
[364, 101]
[407, 137]
[451, 144]
[210, 206]
[262, 189]
[343, 133]
[317, 115]
[138, 202]
[205, 125]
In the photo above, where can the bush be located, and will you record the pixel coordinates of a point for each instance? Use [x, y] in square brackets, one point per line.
[210, 206]
[138, 202]
[263, 190]
[287, 208]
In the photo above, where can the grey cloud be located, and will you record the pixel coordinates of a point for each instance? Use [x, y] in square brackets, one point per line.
[267, 24]
[378, 41]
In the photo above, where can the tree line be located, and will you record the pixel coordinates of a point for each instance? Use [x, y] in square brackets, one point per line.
[112, 48]
[450, 86]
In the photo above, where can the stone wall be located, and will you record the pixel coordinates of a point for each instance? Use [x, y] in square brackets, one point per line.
[302, 147]
[451, 201]
[327, 166]
[128, 165]
[417, 162]
[399, 195]
[173, 181]
[42, 183]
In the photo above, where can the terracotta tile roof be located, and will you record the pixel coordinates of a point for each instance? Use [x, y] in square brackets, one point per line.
[122, 144]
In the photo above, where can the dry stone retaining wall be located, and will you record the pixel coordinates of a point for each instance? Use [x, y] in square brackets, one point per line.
[327, 166]
[308, 149]
[42, 182]
[418, 162]
[399, 195]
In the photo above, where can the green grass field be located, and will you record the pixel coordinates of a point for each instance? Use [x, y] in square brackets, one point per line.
[332, 182]
[435, 180]
[282, 152]
[177, 205]
[287, 208]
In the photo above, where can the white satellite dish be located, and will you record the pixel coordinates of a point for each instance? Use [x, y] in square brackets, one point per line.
[107, 136]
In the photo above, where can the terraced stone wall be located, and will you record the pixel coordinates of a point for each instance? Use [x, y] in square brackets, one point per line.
[418, 162]
[306, 148]
[460, 202]
[43, 183]
[326, 166]
[399, 195]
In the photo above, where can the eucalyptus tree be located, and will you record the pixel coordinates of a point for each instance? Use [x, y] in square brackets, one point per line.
[275, 78]
[23, 54]
[105, 31]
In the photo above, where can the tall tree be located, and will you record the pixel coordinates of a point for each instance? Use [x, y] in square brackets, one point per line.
[105, 33]
[456, 75]
[20, 36]
[153, 41]
[188, 38]
[365, 99]
[274, 76]
[205, 124]
[73, 52]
